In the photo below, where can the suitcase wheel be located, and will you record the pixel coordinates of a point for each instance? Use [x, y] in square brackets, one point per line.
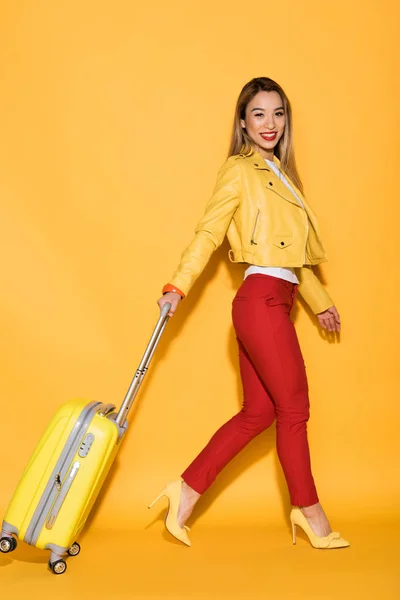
[74, 550]
[7, 544]
[58, 567]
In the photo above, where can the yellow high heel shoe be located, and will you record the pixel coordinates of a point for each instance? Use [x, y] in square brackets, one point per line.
[333, 540]
[173, 492]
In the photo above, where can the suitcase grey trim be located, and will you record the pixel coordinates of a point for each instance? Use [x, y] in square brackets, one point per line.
[51, 490]
[9, 528]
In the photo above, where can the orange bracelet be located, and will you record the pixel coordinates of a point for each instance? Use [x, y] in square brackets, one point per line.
[171, 288]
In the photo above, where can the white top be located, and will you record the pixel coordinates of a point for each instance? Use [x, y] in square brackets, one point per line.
[281, 272]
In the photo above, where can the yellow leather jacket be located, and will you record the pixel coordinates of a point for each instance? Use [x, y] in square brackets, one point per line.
[264, 224]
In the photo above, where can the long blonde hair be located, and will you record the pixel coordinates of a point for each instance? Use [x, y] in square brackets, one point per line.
[240, 141]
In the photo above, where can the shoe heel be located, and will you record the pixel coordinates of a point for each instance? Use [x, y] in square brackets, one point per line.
[294, 533]
[157, 499]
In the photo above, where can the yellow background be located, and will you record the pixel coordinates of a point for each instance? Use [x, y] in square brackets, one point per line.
[114, 119]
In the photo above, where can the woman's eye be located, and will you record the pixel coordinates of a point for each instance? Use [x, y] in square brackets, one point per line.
[259, 115]
[279, 114]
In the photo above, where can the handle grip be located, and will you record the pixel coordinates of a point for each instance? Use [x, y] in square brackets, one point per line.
[165, 310]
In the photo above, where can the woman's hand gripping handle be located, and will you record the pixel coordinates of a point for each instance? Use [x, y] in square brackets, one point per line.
[171, 297]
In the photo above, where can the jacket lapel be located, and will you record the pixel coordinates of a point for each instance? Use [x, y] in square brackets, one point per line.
[307, 208]
[259, 164]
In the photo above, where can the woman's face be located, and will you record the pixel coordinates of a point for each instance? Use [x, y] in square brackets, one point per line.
[265, 122]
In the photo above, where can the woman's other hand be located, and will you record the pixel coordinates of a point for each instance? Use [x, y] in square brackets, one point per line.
[329, 319]
[173, 299]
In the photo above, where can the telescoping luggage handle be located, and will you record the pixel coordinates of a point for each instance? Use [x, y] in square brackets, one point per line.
[141, 371]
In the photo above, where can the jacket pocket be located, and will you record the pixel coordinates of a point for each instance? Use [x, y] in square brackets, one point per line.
[282, 241]
[253, 236]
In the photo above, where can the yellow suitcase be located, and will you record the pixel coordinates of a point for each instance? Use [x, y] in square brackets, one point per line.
[67, 469]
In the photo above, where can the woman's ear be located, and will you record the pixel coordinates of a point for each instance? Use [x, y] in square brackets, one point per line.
[243, 123]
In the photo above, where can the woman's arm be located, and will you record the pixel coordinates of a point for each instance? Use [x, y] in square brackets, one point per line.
[211, 229]
[312, 290]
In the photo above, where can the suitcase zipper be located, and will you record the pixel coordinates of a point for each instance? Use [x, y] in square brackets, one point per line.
[51, 490]
[63, 489]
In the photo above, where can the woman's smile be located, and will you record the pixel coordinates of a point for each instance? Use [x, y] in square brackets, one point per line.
[269, 136]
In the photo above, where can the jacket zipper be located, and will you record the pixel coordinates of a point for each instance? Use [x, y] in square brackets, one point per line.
[254, 230]
[305, 245]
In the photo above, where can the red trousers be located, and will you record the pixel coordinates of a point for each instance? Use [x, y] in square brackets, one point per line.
[274, 387]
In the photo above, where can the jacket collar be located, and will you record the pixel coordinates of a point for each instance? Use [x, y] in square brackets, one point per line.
[259, 164]
[256, 160]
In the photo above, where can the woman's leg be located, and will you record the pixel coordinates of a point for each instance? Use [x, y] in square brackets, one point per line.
[256, 415]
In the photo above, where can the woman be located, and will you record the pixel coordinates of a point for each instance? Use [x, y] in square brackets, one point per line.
[258, 203]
